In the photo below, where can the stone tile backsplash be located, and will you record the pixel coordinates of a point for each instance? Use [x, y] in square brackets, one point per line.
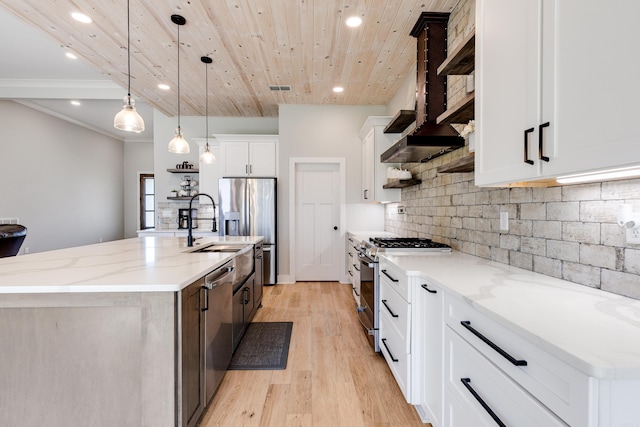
[567, 232]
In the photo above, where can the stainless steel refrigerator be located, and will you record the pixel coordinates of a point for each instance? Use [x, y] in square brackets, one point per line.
[248, 207]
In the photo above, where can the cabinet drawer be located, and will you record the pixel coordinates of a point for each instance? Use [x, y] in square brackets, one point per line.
[397, 310]
[484, 390]
[560, 387]
[393, 348]
[395, 277]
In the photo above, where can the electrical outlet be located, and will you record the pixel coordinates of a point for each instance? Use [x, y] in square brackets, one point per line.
[504, 221]
[633, 236]
[401, 210]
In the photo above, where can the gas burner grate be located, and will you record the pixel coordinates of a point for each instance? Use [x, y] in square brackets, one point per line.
[405, 243]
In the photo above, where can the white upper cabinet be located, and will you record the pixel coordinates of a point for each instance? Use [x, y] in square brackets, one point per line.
[248, 155]
[374, 173]
[548, 102]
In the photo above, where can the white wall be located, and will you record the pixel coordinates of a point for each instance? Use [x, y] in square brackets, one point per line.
[324, 131]
[405, 97]
[63, 182]
[138, 158]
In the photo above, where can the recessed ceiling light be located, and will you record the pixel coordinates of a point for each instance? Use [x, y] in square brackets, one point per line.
[71, 55]
[338, 89]
[76, 103]
[353, 21]
[81, 17]
[164, 86]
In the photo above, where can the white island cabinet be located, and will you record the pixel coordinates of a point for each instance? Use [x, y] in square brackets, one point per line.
[106, 335]
[498, 345]
[547, 103]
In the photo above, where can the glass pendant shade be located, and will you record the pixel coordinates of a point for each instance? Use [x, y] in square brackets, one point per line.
[178, 144]
[207, 156]
[128, 118]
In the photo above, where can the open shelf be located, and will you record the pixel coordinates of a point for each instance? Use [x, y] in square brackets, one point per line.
[461, 112]
[400, 122]
[183, 170]
[462, 60]
[465, 164]
[181, 198]
[401, 183]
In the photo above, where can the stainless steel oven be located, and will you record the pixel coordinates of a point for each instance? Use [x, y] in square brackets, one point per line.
[368, 251]
[369, 305]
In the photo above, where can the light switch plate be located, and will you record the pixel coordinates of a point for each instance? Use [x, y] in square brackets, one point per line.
[504, 221]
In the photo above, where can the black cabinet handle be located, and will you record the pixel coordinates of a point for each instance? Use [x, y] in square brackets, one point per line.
[365, 194]
[247, 293]
[384, 342]
[467, 383]
[513, 360]
[426, 288]
[386, 274]
[384, 302]
[540, 138]
[355, 291]
[354, 266]
[351, 273]
[526, 146]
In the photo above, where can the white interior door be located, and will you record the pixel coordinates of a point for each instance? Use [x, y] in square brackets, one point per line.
[317, 216]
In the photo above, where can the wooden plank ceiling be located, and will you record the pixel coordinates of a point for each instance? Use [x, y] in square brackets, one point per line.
[253, 44]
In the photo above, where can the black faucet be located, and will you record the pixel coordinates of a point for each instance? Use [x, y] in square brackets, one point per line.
[214, 228]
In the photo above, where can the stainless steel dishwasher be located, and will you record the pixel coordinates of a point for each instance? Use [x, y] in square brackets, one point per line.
[218, 330]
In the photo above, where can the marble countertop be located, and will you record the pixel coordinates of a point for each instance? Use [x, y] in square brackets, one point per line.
[596, 332]
[144, 264]
[364, 235]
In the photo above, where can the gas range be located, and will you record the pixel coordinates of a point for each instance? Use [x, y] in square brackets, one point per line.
[379, 245]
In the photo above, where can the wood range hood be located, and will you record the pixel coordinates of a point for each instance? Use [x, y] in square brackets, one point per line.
[429, 139]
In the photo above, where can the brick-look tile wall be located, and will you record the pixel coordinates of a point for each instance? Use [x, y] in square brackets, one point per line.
[568, 232]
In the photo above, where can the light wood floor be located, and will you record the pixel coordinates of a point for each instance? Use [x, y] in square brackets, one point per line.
[333, 377]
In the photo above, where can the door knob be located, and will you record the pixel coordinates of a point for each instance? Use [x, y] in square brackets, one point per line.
[335, 228]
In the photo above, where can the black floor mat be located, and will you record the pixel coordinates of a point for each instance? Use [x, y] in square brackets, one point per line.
[265, 345]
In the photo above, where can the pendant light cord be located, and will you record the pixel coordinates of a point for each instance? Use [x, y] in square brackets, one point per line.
[128, 51]
[178, 76]
[206, 102]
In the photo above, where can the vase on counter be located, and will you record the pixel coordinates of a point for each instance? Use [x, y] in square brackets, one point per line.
[174, 193]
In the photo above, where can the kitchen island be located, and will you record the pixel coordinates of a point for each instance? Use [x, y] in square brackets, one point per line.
[90, 335]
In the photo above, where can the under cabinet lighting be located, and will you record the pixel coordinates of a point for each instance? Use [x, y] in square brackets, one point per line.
[164, 86]
[76, 103]
[338, 89]
[71, 55]
[620, 173]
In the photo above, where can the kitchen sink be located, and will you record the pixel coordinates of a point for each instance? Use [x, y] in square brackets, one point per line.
[218, 248]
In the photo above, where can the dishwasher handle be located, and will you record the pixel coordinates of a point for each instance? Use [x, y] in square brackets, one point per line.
[213, 279]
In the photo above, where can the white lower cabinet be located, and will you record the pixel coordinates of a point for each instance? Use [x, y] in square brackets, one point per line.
[427, 343]
[486, 392]
[395, 326]
[560, 387]
[461, 367]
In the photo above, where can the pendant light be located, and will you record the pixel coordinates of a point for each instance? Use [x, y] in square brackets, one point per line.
[178, 144]
[206, 156]
[128, 118]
